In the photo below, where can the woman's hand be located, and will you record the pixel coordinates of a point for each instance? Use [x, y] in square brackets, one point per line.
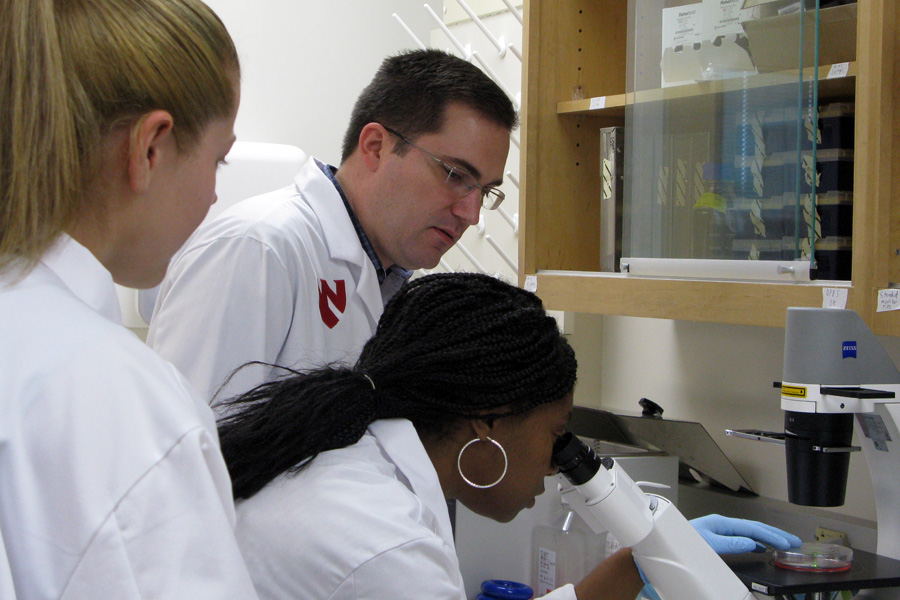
[735, 536]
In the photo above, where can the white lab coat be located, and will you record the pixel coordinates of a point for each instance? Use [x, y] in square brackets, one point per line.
[112, 484]
[366, 522]
[247, 287]
[7, 589]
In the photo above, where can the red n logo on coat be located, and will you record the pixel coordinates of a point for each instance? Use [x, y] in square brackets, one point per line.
[338, 298]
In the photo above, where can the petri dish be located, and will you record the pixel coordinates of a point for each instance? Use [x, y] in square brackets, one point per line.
[816, 558]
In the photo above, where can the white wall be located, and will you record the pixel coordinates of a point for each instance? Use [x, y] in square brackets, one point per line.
[304, 63]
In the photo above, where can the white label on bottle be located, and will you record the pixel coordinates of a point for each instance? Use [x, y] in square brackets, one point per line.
[838, 70]
[546, 571]
[888, 300]
[531, 283]
[834, 297]
[598, 102]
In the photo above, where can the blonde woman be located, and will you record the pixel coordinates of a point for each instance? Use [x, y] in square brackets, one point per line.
[113, 119]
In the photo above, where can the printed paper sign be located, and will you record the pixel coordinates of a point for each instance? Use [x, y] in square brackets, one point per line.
[723, 17]
[682, 26]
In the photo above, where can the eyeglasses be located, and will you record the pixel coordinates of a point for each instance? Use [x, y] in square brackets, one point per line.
[460, 181]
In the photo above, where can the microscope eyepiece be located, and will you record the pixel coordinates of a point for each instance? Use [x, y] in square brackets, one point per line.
[575, 459]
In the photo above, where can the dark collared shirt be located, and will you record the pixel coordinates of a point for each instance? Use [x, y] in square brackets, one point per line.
[390, 280]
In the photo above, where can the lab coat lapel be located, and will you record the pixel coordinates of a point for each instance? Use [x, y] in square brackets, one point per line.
[340, 235]
[400, 441]
[83, 274]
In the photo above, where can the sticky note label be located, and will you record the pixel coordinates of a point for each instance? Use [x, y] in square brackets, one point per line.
[838, 70]
[874, 428]
[834, 298]
[888, 300]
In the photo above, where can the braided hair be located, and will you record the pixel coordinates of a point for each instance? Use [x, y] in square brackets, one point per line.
[448, 347]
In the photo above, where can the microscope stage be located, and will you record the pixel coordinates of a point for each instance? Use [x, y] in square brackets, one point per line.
[759, 573]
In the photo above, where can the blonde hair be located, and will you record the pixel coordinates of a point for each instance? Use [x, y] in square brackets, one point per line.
[74, 70]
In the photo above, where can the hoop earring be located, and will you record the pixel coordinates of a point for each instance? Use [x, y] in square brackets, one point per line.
[466, 479]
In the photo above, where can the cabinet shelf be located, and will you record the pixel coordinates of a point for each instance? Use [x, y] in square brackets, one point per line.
[732, 302]
[614, 106]
[572, 43]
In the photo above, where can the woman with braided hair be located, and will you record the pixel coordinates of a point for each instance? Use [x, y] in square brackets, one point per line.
[343, 472]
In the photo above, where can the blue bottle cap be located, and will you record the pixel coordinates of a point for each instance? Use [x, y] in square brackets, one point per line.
[505, 590]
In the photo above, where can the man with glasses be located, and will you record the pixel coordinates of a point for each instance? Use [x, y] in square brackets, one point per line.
[299, 277]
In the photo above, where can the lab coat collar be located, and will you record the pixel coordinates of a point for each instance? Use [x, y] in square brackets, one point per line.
[85, 276]
[401, 443]
[340, 235]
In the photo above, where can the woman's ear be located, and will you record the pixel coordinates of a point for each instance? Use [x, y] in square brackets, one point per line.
[152, 138]
[482, 428]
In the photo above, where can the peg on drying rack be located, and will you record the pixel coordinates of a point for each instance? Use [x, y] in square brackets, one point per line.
[466, 50]
[516, 98]
[515, 12]
[471, 258]
[409, 31]
[512, 220]
[498, 43]
[442, 263]
[502, 253]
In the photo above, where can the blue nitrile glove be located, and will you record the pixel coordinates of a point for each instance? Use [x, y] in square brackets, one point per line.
[648, 592]
[735, 536]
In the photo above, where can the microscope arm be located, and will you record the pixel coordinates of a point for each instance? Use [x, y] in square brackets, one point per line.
[673, 556]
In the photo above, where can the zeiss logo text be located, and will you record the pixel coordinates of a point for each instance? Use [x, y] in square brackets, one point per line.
[849, 350]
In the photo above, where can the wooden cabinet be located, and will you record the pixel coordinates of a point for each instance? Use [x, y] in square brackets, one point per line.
[584, 43]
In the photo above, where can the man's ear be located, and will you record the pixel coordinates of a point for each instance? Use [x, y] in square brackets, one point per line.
[152, 139]
[374, 142]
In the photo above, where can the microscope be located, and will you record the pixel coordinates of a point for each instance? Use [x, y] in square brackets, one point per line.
[673, 556]
[837, 378]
